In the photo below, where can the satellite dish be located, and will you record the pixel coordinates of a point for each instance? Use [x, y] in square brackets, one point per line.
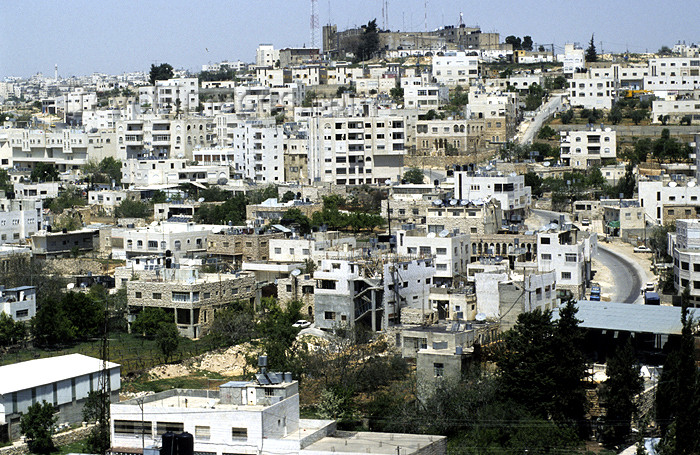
[201, 199]
[431, 235]
[463, 202]
[481, 317]
[437, 202]
[296, 272]
[222, 181]
[444, 233]
[453, 202]
[691, 184]
[672, 184]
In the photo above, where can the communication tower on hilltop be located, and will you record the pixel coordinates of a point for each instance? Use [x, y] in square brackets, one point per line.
[314, 22]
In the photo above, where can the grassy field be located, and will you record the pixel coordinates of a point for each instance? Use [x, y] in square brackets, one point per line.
[133, 352]
[198, 380]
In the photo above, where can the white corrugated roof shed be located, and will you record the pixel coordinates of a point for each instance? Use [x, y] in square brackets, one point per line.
[629, 317]
[34, 373]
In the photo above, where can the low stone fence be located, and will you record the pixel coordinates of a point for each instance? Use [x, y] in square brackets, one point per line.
[60, 439]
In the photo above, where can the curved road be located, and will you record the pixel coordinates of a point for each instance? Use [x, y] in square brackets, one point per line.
[553, 104]
[626, 276]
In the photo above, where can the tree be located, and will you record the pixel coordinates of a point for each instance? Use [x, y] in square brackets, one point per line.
[619, 392]
[277, 335]
[542, 366]
[295, 217]
[168, 339]
[413, 175]
[570, 369]
[232, 210]
[546, 132]
[567, 117]
[288, 196]
[678, 393]
[232, 325]
[85, 313]
[44, 172]
[534, 181]
[129, 208]
[37, 425]
[514, 41]
[149, 320]
[98, 439]
[527, 43]
[615, 115]
[6, 184]
[51, 326]
[308, 99]
[161, 72]
[369, 42]
[638, 115]
[665, 50]
[591, 53]
[11, 331]
[396, 93]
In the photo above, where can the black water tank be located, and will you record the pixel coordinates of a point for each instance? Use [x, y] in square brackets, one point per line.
[185, 443]
[168, 253]
[168, 447]
[168, 263]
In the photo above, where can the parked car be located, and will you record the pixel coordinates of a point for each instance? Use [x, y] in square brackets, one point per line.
[302, 324]
[642, 249]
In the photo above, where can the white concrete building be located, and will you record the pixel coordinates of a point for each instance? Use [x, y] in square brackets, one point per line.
[298, 249]
[19, 303]
[684, 246]
[676, 110]
[152, 172]
[656, 195]
[266, 55]
[591, 92]
[155, 137]
[573, 59]
[31, 190]
[587, 148]
[179, 95]
[101, 119]
[67, 149]
[257, 145]
[356, 150]
[509, 190]
[449, 250]
[259, 417]
[455, 68]
[350, 291]
[64, 381]
[20, 219]
[568, 252]
[421, 94]
[179, 238]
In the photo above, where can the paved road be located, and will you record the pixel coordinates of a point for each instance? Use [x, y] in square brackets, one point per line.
[552, 105]
[625, 276]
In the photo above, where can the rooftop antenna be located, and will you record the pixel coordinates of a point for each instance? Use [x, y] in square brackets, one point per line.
[313, 22]
[425, 16]
[461, 19]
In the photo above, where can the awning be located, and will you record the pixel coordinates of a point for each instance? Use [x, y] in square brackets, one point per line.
[614, 224]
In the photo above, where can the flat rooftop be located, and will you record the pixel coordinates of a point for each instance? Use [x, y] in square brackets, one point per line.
[366, 442]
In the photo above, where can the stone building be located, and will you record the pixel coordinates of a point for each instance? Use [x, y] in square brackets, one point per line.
[192, 298]
[241, 245]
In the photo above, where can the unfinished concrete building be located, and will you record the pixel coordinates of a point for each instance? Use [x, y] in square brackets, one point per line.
[370, 290]
[192, 298]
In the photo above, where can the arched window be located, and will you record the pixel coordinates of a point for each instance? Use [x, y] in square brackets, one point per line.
[178, 245]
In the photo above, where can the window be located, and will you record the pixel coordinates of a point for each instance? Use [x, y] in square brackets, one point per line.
[329, 315]
[164, 427]
[137, 295]
[544, 240]
[278, 250]
[180, 296]
[571, 257]
[546, 257]
[157, 296]
[439, 369]
[202, 433]
[565, 275]
[239, 433]
[21, 313]
[441, 251]
[134, 427]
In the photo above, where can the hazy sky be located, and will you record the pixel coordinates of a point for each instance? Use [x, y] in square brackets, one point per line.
[86, 36]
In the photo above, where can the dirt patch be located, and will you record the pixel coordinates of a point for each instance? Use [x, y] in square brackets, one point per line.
[227, 362]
